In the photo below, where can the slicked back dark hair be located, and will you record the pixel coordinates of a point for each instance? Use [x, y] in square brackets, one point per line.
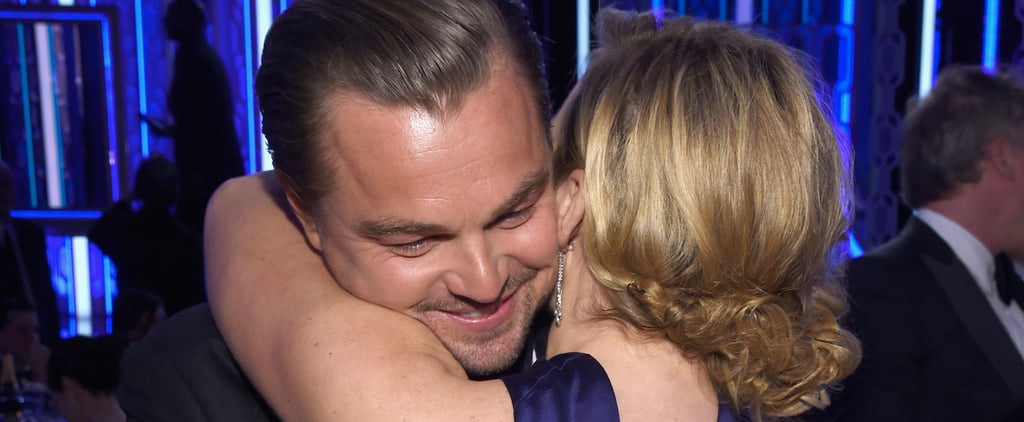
[426, 54]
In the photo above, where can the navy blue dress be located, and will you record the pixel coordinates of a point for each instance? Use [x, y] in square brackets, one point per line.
[569, 387]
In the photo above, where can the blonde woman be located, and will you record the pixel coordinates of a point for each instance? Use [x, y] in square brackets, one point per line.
[702, 197]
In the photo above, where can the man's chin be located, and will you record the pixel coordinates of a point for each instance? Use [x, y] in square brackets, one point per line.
[482, 360]
[490, 351]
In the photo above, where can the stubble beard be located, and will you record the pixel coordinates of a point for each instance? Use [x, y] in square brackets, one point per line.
[489, 353]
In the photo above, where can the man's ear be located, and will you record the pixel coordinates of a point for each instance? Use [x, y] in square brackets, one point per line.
[1006, 158]
[569, 195]
[301, 210]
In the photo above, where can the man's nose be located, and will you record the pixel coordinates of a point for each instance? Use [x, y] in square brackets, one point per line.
[479, 276]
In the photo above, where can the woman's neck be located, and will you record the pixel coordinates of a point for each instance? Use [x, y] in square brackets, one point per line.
[651, 377]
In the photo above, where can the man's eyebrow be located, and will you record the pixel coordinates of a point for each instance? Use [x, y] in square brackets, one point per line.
[533, 183]
[375, 229]
[380, 228]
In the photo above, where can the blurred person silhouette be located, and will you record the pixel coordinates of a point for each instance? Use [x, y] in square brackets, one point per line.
[82, 377]
[136, 312]
[151, 248]
[19, 336]
[24, 269]
[205, 141]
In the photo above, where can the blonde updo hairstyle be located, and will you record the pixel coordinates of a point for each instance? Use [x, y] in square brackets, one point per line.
[717, 202]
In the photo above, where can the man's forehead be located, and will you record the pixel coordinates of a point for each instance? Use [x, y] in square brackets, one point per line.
[505, 82]
[500, 114]
[408, 161]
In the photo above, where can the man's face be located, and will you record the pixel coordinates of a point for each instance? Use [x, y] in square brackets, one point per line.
[1015, 198]
[20, 333]
[449, 220]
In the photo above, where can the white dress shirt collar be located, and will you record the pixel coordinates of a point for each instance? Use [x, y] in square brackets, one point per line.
[971, 252]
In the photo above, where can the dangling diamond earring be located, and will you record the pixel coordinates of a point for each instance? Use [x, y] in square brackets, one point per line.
[558, 289]
[558, 283]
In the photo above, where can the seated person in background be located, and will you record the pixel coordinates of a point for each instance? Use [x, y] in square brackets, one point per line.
[19, 336]
[151, 249]
[135, 313]
[83, 374]
[24, 268]
[702, 200]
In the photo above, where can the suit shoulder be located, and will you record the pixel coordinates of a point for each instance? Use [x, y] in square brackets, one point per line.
[182, 370]
[893, 269]
[186, 329]
[187, 336]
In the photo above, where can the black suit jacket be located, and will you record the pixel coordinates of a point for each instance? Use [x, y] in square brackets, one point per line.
[32, 245]
[183, 371]
[934, 350]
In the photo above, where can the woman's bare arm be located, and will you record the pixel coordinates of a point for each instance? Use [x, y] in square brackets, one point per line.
[312, 350]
